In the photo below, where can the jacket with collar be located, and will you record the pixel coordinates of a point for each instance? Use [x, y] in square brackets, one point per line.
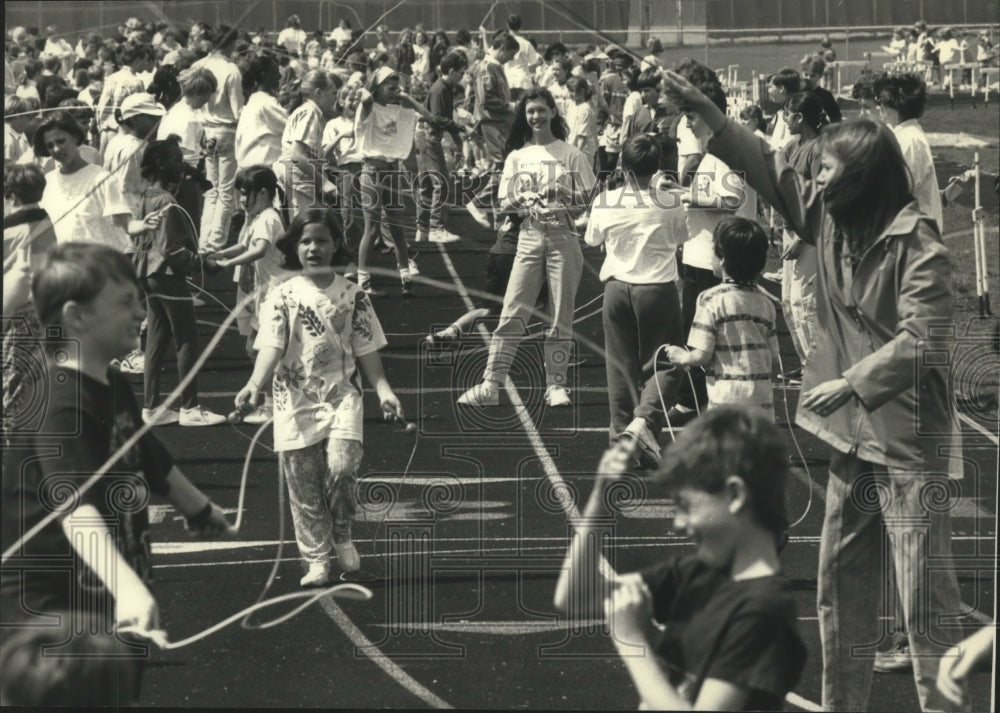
[885, 321]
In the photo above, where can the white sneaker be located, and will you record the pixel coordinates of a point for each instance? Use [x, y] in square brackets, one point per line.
[484, 394]
[133, 363]
[200, 416]
[556, 395]
[647, 445]
[347, 556]
[198, 302]
[160, 416]
[261, 414]
[478, 215]
[317, 576]
[412, 264]
[421, 237]
[442, 235]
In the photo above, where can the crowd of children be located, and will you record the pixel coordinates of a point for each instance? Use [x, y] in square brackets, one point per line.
[181, 155]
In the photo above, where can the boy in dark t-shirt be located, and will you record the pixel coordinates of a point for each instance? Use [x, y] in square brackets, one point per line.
[74, 540]
[729, 639]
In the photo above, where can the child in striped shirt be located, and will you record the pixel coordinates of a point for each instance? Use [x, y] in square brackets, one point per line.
[733, 334]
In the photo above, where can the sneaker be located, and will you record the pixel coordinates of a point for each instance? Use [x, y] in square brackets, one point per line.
[198, 302]
[367, 288]
[484, 394]
[478, 215]
[557, 395]
[895, 660]
[421, 236]
[200, 416]
[407, 287]
[160, 416]
[443, 236]
[646, 444]
[347, 556]
[792, 377]
[317, 576]
[411, 263]
[134, 363]
[772, 276]
[261, 414]
[677, 418]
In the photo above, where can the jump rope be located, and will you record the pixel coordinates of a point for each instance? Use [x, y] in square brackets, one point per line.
[346, 590]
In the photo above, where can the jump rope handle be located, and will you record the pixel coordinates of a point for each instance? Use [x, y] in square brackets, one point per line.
[242, 411]
[409, 427]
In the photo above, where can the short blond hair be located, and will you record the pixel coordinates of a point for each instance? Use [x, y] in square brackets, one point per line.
[198, 82]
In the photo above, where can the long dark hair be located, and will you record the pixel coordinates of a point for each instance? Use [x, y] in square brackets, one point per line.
[520, 132]
[874, 183]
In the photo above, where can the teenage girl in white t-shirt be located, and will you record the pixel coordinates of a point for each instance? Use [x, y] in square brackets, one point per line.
[544, 179]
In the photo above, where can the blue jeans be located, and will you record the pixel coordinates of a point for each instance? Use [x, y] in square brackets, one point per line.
[554, 257]
[432, 182]
[914, 508]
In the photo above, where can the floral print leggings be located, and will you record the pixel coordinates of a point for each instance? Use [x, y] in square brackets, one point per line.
[322, 481]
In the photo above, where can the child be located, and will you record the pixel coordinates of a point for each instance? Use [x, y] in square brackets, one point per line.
[781, 85]
[27, 236]
[340, 147]
[164, 258]
[733, 334]
[184, 121]
[640, 228]
[298, 168]
[15, 122]
[543, 179]
[257, 261]
[723, 634]
[137, 118]
[581, 119]
[133, 59]
[384, 128]
[860, 392]
[89, 295]
[432, 180]
[263, 120]
[317, 330]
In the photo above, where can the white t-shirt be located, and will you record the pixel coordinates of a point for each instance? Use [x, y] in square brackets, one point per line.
[292, 38]
[304, 126]
[14, 143]
[340, 35]
[338, 137]
[948, 51]
[713, 179]
[539, 168]
[89, 219]
[687, 144]
[917, 154]
[518, 69]
[560, 92]
[321, 332]
[87, 153]
[641, 233]
[185, 122]
[123, 159]
[258, 133]
[268, 272]
[781, 135]
[582, 122]
[387, 131]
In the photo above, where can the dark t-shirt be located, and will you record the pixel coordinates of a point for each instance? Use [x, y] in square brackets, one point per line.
[85, 422]
[741, 632]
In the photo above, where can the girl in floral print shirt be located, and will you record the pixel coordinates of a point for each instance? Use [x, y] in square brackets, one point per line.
[317, 330]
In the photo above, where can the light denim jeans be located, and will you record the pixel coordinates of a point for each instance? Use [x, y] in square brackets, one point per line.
[914, 508]
[220, 200]
[553, 256]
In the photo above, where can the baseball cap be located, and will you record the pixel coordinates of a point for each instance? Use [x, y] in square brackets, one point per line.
[139, 104]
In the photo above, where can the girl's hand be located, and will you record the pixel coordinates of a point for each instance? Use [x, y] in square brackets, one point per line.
[248, 396]
[828, 396]
[153, 220]
[391, 407]
[676, 354]
[628, 611]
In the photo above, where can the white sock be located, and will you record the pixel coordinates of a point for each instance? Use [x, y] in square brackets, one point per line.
[404, 273]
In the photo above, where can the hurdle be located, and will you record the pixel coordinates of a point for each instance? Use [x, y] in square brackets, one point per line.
[838, 68]
[958, 66]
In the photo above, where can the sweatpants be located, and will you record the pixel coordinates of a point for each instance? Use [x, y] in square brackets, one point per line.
[170, 316]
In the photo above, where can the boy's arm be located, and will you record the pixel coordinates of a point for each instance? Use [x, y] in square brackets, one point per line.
[134, 604]
[204, 518]
[586, 580]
